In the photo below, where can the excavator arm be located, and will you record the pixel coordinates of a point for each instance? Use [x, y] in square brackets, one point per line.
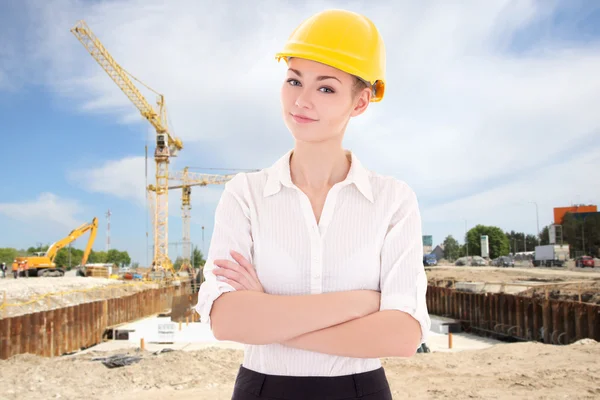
[72, 236]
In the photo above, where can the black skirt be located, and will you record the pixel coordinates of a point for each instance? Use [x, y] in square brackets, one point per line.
[372, 385]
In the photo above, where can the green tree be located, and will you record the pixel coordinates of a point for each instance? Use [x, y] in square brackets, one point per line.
[545, 235]
[451, 248]
[532, 241]
[197, 258]
[121, 258]
[178, 263]
[124, 258]
[7, 255]
[97, 257]
[519, 241]
[582, 234]
[62, 258]
[498, 241]
[113, 256]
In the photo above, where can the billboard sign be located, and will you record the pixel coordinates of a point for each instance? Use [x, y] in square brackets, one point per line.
[427, 240]
[552, 234]
[485, 246]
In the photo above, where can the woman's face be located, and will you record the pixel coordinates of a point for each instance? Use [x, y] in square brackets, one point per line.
[318, 100]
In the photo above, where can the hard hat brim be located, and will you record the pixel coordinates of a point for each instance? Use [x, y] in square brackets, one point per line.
[335, 61]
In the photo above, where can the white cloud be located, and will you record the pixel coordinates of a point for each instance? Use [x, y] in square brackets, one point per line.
[512, 205]
[121, 178]
[462, 111]
[48, 207]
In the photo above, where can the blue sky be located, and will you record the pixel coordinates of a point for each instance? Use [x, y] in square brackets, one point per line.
[490, 106]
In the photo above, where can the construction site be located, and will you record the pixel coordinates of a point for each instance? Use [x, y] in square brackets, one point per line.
[99, 333]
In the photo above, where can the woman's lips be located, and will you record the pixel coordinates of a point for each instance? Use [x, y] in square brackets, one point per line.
[301, 119]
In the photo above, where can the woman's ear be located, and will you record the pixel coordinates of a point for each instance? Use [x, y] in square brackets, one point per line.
[361, 102]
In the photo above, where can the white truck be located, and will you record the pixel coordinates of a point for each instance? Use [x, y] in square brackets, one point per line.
[551, 255]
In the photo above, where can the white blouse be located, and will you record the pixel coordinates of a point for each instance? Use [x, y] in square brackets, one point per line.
[368, 237]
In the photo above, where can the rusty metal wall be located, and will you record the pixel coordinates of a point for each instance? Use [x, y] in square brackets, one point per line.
[519, 317]
[182, 307]
[64, 330]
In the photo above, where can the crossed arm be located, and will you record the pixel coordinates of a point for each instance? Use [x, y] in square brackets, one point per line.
[340, 323]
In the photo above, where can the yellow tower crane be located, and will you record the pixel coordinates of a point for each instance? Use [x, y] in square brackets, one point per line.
[186, 180]
[166, 144]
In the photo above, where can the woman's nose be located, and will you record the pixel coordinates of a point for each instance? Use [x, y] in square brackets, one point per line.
[303, 100]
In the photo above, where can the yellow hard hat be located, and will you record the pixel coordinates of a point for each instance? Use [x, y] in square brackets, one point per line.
[344, 40]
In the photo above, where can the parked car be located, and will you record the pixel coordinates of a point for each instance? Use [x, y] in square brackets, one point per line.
[504, 261]
[584, 261]
[429, 260]
[461, 262]
[478, 262]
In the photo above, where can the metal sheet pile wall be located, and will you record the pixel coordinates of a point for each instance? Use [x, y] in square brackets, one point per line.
[65, 330]
[518, 317]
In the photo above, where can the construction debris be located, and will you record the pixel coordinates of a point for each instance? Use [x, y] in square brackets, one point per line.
[118, 360]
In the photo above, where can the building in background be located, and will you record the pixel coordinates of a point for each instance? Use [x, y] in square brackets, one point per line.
[438, 252]
[427, 244]
[559, 212]
[555, 234]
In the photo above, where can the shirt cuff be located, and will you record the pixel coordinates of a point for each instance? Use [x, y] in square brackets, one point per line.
[210, 291]
[413, 307]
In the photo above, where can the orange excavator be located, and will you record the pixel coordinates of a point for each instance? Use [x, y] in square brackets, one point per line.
[42, 264]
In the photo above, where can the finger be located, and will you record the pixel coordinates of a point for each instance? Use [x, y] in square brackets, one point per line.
[229, 265]
[230, 276]
[227, 273]
[234, 266]
[240, 274]
[249, 268]
[235, 284]
[244, 263]
[240, 259]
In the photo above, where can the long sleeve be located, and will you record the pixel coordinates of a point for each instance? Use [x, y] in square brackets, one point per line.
[403, 280]
[232, 231]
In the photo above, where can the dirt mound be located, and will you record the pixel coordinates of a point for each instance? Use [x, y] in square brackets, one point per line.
[508, 371]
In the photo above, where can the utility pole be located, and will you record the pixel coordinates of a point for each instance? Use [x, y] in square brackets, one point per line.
[108, 214]
[537, 218]
[466, 239]
[582, 238]
[582, 235]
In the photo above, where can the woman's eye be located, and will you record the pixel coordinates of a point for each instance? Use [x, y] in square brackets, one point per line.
[293, 82]
[326, 90]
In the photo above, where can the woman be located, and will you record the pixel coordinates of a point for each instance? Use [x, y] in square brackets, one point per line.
[315, 263]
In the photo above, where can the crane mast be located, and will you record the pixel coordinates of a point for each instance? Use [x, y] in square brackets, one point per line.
[166, 145]
[187, 180]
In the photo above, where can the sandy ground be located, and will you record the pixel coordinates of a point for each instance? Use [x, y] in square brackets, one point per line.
[507, 371]
[27, 295]
[567, 284]
[497, 274]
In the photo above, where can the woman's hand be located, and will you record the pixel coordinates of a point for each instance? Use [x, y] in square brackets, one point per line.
[241, 274]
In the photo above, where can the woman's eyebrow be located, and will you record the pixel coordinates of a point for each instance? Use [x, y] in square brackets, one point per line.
[319, 78]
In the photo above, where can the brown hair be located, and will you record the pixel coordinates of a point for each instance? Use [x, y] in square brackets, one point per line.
[358, 86]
